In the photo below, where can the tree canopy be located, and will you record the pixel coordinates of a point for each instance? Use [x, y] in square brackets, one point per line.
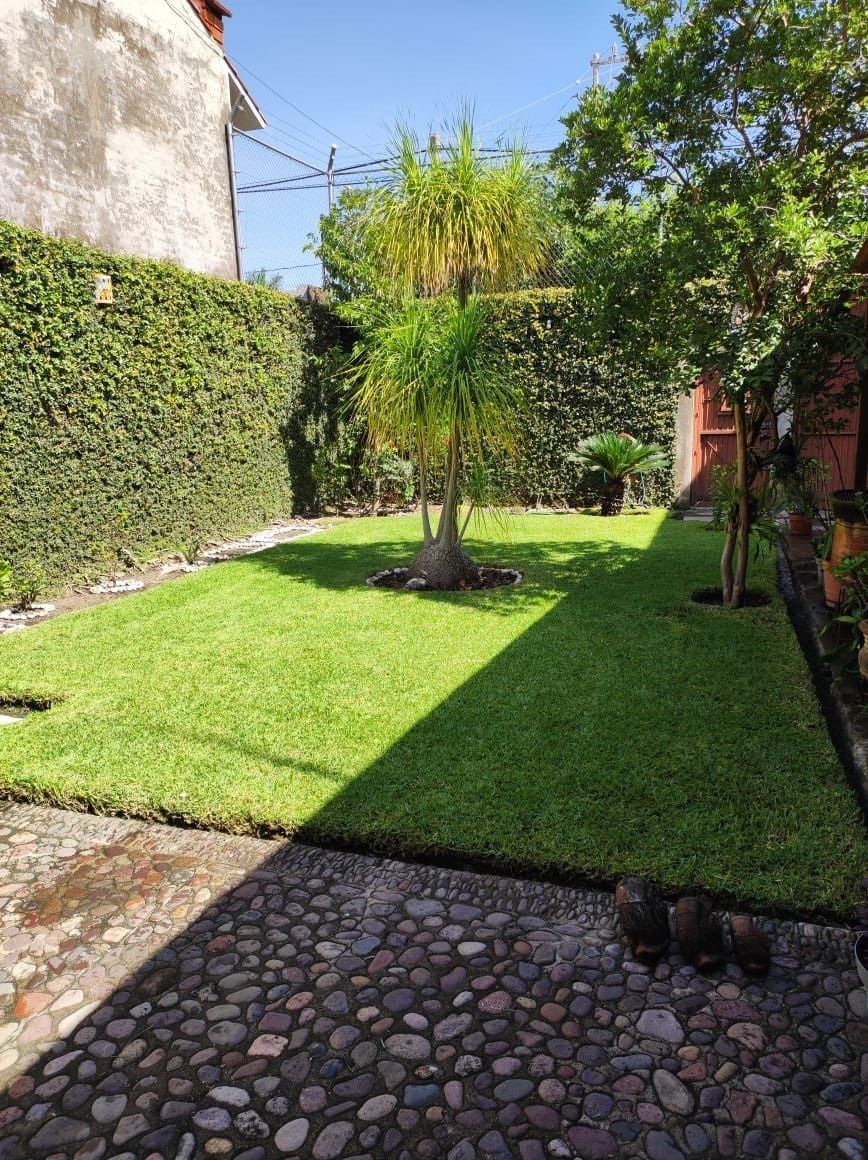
[741, 124]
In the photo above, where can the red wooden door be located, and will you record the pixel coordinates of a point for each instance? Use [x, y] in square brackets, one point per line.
[837, 443]
[837, 432]
[713, 438]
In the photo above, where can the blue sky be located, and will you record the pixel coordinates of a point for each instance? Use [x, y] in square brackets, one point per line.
[354, 67]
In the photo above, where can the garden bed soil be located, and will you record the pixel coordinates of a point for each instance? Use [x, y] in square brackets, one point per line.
[489, 576]
[157, 572]
[753, 597]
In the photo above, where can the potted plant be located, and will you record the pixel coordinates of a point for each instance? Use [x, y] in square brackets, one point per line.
[615, 458]
[800, 480]
[800, 518]
[851, 574]
[849, 538]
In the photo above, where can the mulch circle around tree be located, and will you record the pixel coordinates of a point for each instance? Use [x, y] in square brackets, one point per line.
[488, 577]
[753, 597]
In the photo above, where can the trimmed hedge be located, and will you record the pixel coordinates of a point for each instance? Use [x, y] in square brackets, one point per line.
[573, 389]
[148, 424]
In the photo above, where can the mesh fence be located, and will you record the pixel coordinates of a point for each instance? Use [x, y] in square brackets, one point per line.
[280, 202]
[282, 198]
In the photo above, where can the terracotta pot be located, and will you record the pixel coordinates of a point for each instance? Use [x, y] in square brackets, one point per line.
[863, 651]
[849, 538]
[800, 525]
[831, 586]
[847, 506]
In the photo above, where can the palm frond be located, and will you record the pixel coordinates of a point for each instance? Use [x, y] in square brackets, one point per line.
[617, 457]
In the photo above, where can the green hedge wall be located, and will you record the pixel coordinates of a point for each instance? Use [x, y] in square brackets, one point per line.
[146, 424]
[191, 407]
[575, 387]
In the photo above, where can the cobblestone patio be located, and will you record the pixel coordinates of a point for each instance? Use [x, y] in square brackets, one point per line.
[176, 994]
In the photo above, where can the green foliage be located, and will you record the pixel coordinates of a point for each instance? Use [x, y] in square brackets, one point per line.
[342, 247]
[617, 457]
[28, 584]
[744, 126]
[575, 384]
[571, 384]
[449, 220]
[425, 368]
[802, 480]
[264, 278]
[739, 128]
[447, 225]
[766, 506]
[6, 579]
[852, 571]
[130, 428]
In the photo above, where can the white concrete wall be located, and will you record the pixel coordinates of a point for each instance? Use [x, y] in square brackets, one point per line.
[112, 116]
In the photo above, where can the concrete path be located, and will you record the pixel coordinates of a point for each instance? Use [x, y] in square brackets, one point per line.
[175, 994]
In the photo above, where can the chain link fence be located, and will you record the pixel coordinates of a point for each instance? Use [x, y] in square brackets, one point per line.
[280, 202]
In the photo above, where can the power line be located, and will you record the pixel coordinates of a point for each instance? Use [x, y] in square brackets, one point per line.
[280, 269]
[531, 104]
[301, 112]
[299, 137]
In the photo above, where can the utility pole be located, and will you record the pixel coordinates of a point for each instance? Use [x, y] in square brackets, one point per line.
[598, 61]
[330, 176]
[330, 185]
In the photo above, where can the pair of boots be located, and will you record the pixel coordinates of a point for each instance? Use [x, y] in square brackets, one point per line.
[645, 919]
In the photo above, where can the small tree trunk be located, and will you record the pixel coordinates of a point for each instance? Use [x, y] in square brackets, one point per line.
[726, 571]
[744, 521]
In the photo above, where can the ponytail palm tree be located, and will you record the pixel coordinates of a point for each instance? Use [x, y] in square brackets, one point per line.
[449, 226]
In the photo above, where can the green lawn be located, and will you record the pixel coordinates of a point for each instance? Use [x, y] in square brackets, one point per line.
[592, 721]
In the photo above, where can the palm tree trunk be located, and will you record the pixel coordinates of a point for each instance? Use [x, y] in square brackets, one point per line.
[427, 534]
[442, 562]
[612, 501]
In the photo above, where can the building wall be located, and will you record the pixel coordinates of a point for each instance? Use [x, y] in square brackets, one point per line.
[113, 128]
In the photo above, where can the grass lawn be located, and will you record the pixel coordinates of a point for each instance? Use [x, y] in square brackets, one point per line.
[592, 721]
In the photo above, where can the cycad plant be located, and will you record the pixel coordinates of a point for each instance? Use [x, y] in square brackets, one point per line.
[616, 458]
[448, 226]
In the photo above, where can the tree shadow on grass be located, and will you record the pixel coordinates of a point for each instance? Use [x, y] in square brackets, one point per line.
[607, 737]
